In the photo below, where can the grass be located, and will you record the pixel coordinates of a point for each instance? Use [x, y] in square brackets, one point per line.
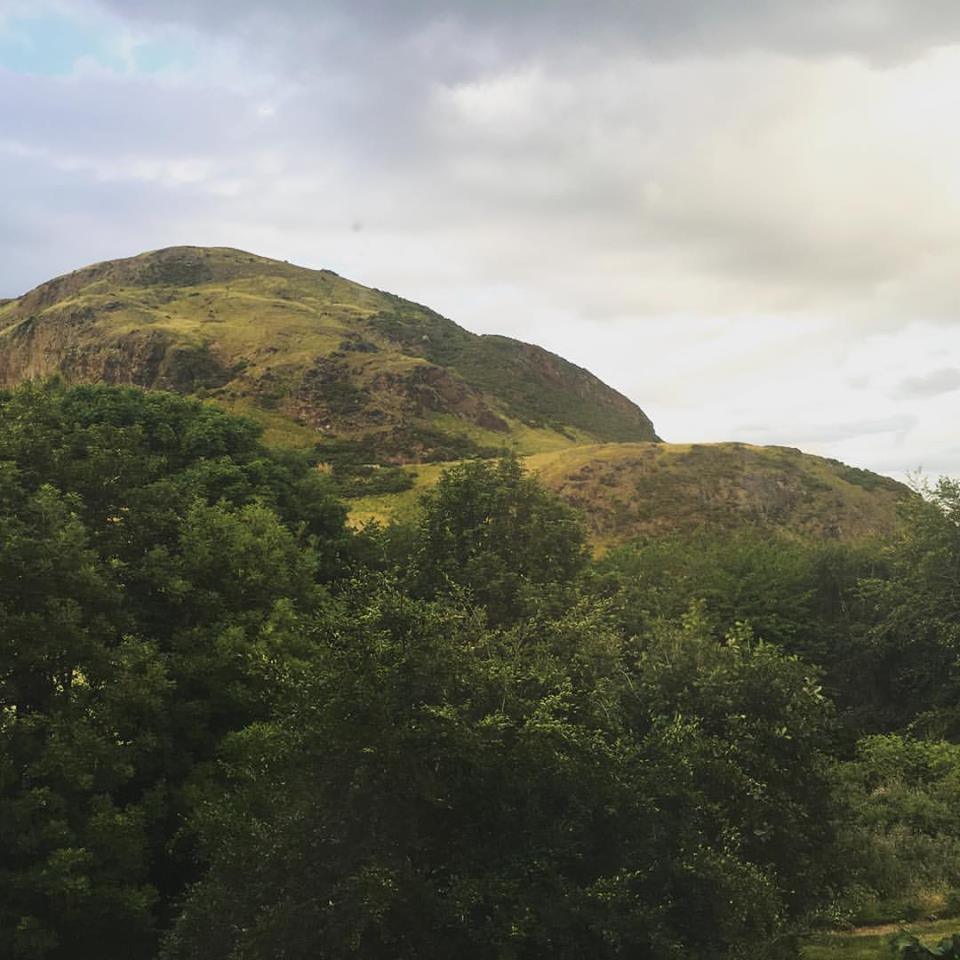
[627, 490]
[255, 326]
[545, 390]
[280, 344]
[522, 439]
[400, 507]
[635, 489]
[871, 943]
[277, 331]
[278, 430]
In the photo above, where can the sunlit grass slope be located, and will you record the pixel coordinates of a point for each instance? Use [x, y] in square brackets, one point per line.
[369, 378]
[627, 490]
[310, 355]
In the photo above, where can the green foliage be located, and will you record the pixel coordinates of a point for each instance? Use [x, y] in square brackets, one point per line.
[429, 788]
[431, 446]
[360, 470]
[219, 731]
[438, 446]
[137, 459]
[492, 530]
[762, 720]
[74, 871]
[862, 478]
[911, 666]
[905, 946]
[368, 481]
[146, 544]
[744, 576]
[801, 596]
[193, 368]
[903, 835]
[421, 332]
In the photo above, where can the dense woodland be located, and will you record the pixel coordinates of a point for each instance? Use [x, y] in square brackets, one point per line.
[232, 728]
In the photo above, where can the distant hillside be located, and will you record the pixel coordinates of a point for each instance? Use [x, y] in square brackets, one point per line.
[375, 379]
[626, 490]
[312, 356]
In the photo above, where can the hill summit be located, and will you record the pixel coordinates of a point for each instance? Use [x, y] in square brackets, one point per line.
[370, 380]
[312, 356]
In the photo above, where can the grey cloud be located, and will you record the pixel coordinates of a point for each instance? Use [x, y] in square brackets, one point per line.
[930, 384]
[57, 220]
[609, 154]
[881, 30]
[107, 118]
[629, 186]
[932, 464]
[900, 425]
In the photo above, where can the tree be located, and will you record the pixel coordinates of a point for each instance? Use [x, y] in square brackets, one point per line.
[493, 530]
[797, 595]
[430, 788]
[147, 545]
[908, 661]
[74, 692]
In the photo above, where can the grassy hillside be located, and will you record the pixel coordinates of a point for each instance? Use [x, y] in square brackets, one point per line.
[372, 379]
[310, 355]
[627, 490]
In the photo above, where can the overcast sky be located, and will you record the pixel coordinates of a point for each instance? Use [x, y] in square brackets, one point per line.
[745, 216]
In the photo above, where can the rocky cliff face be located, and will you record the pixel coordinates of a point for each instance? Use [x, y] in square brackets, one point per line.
[333, 358]
[68, 346]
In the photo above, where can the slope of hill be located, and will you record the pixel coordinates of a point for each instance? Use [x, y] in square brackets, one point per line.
[310, 355]
[373, 378]
[626, 490]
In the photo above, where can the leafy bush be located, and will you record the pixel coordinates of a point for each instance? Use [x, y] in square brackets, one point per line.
[907, 947]
[801, 596]
[365, 481]
[219, 730]
[910, 664]
[903, 837]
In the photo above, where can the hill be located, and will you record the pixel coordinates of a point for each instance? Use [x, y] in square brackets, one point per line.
[310, 355]
[372, 379]
[626, 490]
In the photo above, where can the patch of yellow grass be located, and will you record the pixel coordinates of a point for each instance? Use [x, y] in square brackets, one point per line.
[627, 490]
[396, 507]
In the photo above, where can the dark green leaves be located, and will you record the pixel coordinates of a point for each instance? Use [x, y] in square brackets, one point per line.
[492, 530]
